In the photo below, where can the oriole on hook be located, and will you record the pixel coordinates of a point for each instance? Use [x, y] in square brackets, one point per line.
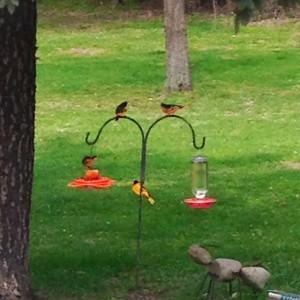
[121, 110]
[170, 109]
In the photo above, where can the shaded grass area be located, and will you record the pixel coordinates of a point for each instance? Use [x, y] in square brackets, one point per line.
[245, 101]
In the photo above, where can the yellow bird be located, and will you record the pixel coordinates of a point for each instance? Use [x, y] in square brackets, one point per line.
[136, 188]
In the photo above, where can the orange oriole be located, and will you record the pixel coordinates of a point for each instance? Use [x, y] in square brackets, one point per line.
[136, 188]
[170, 109]
[121, 110]
[88, 161]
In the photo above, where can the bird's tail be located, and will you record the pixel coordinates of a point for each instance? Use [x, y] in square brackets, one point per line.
[151, 200]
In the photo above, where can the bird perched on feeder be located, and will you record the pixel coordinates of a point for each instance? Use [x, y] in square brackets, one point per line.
[121, 110]
[88, 161]
[136, 188]
[170, 109]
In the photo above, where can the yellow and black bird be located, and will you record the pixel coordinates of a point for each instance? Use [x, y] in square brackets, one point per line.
[170, 109]
[136, 188]
[88, 161]
[121, 110]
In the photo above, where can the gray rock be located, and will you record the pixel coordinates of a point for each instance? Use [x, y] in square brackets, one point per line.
[199, 255]
[255, 277]
[224, 269]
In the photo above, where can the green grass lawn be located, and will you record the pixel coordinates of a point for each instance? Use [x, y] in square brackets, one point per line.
[245, 101]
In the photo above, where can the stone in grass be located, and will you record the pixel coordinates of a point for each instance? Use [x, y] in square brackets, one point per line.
[199, 255]
[255, 277]
[224, 269]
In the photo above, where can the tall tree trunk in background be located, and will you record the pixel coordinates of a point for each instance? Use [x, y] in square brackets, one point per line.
[178, 70]
[17, 107]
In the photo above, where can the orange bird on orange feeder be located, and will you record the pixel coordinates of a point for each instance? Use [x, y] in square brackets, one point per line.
[88, 161]
[121, 110]
[170, 109]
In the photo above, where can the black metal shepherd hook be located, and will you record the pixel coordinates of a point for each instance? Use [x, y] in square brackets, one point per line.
[143, 170]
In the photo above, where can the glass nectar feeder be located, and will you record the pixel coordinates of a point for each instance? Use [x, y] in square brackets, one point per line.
[199, 175]
[199, 178]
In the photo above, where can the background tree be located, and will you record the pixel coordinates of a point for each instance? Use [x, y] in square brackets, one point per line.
[178, 70]
[244, 9]
[17, 107]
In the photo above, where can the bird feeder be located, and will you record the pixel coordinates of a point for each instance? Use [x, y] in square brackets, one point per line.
[92, 178]
[199, 174]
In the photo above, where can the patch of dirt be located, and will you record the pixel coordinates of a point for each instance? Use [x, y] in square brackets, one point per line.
[147, 295]
[84, 51]
[83, 20]
[271, 22]
[291, 165]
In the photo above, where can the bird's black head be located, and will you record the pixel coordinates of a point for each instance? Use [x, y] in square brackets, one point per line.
[135, 182]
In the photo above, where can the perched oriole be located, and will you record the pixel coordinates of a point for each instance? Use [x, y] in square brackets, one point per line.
[121, 110]
[170, 109]
[136, 188]
[88, 161]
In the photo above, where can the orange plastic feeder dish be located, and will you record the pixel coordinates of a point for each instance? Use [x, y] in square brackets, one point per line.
[92, 180]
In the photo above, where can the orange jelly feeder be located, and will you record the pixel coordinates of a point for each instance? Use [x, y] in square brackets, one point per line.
[92, 174]
[91, 180]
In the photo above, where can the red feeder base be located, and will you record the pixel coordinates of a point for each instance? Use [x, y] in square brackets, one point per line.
[92, 180]
[200, 203]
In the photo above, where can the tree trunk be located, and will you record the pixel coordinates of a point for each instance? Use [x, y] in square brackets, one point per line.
[178, 71]
[17, 107]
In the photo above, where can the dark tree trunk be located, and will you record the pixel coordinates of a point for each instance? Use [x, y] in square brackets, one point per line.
[17, 107]
[178, 70]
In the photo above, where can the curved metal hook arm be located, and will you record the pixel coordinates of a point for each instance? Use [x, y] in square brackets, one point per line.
[137, 124]
[99, 133]
[106, 123]
[188, 123]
